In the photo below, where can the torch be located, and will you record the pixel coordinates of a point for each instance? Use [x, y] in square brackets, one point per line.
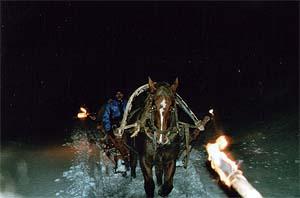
[228, 170]
[83, 113]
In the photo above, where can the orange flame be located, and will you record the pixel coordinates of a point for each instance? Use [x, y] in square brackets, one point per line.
[220, 162]
[83, 113]
[83, 110]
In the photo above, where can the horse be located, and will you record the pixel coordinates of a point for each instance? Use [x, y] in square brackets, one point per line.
[158, 142]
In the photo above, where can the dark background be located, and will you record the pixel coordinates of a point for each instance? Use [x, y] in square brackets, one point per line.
[239, 58]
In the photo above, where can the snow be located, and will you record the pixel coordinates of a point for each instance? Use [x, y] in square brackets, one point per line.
[101, 181]
[9, 195]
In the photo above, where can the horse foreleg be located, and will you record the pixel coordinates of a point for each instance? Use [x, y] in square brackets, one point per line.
[169, 170]
[159, 174]
[133, 163]
[149, 186]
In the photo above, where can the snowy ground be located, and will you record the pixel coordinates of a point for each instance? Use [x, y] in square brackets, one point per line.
[270, 154]
[72, 171]
[89, 180]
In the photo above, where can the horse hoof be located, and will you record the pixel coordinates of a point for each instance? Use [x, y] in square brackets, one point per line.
[133, 174]
[149, 196]
[164, 190]
[160, 193]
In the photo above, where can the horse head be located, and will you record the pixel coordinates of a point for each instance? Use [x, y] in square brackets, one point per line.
[163, 96]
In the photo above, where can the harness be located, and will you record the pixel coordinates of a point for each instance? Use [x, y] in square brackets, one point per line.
[146, 123]
[170, 133]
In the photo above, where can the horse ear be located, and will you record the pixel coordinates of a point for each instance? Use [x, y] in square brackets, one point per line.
[151, 85]
[175, 85]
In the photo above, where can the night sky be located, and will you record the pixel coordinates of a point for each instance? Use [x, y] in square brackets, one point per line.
[234, 57]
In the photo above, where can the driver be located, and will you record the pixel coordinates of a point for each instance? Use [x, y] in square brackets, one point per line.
[113, 113]
[112, 116]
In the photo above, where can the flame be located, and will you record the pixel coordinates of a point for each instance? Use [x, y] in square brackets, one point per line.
[83, 113]
[220, 162]
[211, 111]
[228, 170]
[83, 110]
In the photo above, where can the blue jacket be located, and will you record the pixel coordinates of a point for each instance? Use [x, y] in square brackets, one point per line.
[112, 114]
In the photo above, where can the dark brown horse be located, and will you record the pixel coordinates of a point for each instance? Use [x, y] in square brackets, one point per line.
[158, 142]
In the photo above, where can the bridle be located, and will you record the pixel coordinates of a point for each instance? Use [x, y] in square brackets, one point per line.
[153, 132]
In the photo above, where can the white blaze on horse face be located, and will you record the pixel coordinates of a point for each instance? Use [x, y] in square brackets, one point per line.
[162, 107]
[160, 139]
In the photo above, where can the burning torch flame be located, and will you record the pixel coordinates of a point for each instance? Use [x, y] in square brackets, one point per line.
[228, 170]
[83, 113]
[83, 110]
[219, 160]
[211, 111]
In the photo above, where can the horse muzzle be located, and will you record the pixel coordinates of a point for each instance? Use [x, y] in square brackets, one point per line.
[162, 139]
